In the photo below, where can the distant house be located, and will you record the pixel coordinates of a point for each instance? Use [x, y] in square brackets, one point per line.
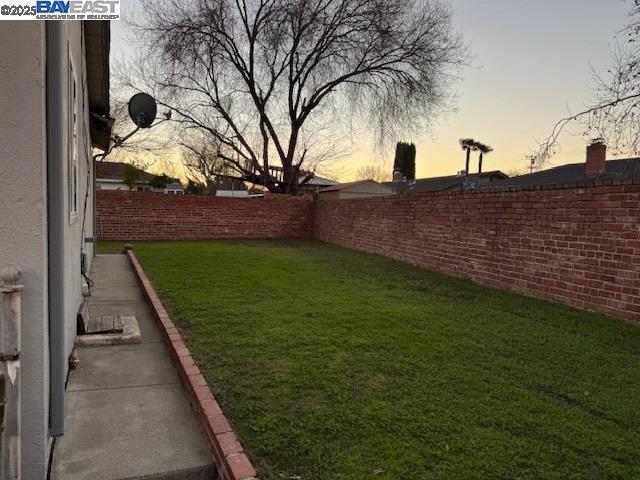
[315, 184]
[174, 188]
[596, 167]
[360, 189]
[230, 187]
[446, 183]
[110, 176]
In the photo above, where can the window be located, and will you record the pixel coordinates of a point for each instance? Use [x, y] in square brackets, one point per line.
[72, 167]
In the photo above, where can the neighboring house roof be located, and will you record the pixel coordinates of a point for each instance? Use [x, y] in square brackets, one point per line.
[574, 173]
[114, 171]
[317, 181]
[440, 184]
[349, 185]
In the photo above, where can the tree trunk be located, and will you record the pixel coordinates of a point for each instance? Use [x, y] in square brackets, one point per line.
[290, 179]
[466, 168]
[480, 164]
[211, 189]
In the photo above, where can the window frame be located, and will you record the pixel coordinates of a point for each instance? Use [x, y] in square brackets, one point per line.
[73, 140]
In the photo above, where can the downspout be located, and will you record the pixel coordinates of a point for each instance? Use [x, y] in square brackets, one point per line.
[55, 225]
[94, 214]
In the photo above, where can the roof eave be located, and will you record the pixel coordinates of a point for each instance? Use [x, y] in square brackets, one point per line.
[97, 46]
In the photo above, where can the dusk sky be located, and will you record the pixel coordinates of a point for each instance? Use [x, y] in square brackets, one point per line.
[532, 65]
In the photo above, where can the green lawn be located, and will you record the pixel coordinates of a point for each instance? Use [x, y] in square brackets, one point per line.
[335, 364]
[110, 247]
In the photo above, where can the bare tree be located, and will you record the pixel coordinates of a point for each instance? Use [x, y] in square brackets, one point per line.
[205, 162]
[169, 168]
[264, 78]
[377, 173]
[615, 113]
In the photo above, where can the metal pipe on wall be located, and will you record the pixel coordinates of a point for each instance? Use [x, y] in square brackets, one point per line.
[55, 224]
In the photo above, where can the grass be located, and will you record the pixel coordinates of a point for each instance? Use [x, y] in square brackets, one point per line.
[335, 364]
[110, 247]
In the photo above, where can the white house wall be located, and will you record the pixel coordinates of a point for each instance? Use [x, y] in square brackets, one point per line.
[102, 185]
[23, 228]
[73, 229]
[23, 212]
[109, 184]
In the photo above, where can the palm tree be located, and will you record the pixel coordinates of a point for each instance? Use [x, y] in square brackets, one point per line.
[468, 144]
[484, 150]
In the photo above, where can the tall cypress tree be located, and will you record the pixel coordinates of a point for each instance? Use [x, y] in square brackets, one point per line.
[405, 160]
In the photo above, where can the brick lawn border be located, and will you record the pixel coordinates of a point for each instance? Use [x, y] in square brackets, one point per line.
[232, 462]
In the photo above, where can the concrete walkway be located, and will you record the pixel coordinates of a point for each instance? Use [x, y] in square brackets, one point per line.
[128, 416]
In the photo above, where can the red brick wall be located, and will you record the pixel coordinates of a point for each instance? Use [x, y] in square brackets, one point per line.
[575, 245]
[580, 246]
[156, 216]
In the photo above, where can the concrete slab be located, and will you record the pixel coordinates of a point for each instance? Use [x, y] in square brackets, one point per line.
[119, 276]
[116, 279]
[138, 309]
[116, 292]
[120, 291]
[127, 433]
[120, 366]
[110, 330]
[113, 279]
[128, 416]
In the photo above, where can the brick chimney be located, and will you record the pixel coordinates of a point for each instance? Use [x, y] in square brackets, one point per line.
[397, 176]
[596, 158]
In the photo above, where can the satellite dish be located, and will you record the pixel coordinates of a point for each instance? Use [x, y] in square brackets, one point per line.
[142, 110]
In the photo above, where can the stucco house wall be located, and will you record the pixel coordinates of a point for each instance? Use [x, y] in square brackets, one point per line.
[23, 223]
[74, 237]
[23, 229]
